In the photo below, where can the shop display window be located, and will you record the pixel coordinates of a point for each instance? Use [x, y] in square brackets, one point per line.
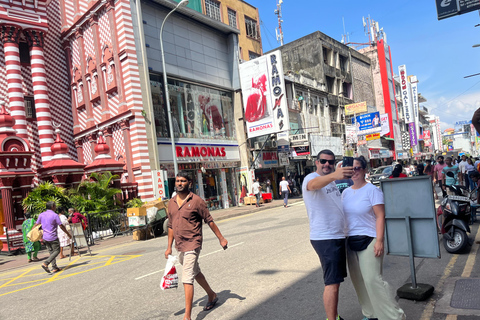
[198, 112]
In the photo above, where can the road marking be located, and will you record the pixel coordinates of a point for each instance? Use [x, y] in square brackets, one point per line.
[428, 312]
[241, 216]
[296, 203]
[467, 271]
[203, 255]
[60, 275]
[451, 317]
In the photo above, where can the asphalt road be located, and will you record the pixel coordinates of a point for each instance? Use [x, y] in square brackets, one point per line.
[269, 271]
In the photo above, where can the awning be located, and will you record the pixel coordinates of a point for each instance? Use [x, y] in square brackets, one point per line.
[387, 138]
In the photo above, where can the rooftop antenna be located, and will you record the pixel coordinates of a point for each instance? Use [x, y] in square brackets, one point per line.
[279, 31]
[345, 35]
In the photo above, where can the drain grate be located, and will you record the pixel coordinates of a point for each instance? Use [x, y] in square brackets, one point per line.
[465, 295]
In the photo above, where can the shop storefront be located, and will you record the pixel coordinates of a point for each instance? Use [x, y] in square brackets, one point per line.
[205, 139]
[269, 171]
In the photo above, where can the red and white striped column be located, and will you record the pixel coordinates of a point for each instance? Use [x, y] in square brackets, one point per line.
[10, 36]
[35, 40]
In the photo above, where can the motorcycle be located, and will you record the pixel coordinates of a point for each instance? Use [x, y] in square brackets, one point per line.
[453, 216]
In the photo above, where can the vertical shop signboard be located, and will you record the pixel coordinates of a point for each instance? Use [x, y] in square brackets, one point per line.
[264, 97]
[223, 182]
[159, 184]
[200, 192]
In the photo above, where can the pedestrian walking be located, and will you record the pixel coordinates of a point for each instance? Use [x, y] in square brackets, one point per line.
[462, 174]
[64, 238]
[469, 170]
[50, 221]
[284, 191]
[185, 214]
[438, 173]
[327, 224]
[256, 190]
[448, 181]
[364, 209]
[429, 171]
[30, 247]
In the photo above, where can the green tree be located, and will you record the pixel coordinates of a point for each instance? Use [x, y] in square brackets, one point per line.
[96, 194]
[37, 199]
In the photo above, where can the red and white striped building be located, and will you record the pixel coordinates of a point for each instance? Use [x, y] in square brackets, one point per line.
[71, 65]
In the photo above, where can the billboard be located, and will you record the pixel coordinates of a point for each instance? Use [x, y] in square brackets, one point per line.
[450, 8]
[355, 108]
[385, 124]
[368, 123]
[406, 94]
[263, 91]
[319, 142]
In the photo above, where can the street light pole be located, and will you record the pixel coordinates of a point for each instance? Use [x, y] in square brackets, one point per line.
[165, 86]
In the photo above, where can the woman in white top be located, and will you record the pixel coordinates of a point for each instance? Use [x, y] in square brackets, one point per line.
[365, 218]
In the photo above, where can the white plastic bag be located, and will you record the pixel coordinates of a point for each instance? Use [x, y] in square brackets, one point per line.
[170, 277]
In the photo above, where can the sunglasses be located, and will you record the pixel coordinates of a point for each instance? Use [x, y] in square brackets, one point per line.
[357, 168]
[330, 162]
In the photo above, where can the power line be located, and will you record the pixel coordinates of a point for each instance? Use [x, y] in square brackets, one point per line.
[266, 29]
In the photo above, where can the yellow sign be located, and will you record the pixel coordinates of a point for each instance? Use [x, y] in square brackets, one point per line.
[355, 108]
[373, 136]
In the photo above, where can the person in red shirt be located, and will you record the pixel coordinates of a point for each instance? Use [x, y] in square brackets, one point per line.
[77, 217]
[397, 172]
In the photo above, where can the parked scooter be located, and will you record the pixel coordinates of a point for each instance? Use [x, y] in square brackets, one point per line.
[453, 217]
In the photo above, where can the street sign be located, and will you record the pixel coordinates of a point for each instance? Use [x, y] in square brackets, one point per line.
[450, 8]
[373, 136]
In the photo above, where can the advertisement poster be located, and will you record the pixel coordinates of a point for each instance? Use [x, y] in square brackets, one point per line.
[355, 108]
[385, 125]
[158, 177]
[413, 134]
[264, 98]
[351, 134]
[368, 122]
[406, 94]
[373, 136]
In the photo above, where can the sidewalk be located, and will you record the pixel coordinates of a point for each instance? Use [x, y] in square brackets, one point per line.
[17, 261]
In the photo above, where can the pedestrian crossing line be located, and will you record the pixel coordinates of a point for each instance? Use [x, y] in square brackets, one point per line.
[296, 204]
[467, 271]
[8, 282]
[451, 317]
[428, 311]
[61, 275]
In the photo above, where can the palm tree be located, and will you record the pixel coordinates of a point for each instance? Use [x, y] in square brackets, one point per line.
[37, 199]
[96, 194]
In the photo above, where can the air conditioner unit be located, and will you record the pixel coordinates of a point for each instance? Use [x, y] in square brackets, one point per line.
[258, 145]
[274, 144]
[268, 144]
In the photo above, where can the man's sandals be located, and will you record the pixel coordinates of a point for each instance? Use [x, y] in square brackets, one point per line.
[210, 305]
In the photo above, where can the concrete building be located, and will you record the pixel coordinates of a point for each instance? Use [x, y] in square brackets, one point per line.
[237, 14]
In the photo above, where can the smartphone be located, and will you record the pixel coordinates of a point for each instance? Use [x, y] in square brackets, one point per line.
[347, 162]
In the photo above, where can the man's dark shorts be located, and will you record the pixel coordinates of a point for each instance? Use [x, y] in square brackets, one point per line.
[333, 258]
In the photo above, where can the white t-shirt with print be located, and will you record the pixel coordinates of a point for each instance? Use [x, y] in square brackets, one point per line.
[358, 207]
[256, 187]
[325, 211]
[284, 185]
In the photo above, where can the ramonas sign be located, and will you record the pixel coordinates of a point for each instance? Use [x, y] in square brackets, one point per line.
[204, 152]
[264, 98]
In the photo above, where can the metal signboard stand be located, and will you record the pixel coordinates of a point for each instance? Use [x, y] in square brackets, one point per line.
[411, 227]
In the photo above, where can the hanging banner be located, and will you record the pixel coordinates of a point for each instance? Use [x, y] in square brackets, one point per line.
[355, 108]
[385, 125]
[264, 98]
[414, 85]
[406, 94]
[351, 134]
[413, 134]
[158, 177]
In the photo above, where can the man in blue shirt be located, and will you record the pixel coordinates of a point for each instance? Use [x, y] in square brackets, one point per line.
[448, 181]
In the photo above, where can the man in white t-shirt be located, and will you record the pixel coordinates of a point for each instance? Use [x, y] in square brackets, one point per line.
[284, 191]
[327, 224]
[461, 169]
[256, 190]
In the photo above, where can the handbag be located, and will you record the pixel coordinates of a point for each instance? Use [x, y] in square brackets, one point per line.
[36, 234]
[359, 243]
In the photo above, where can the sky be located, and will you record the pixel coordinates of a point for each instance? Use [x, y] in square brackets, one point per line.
[439, 53]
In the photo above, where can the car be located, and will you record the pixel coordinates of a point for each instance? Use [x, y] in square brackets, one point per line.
[380, 173]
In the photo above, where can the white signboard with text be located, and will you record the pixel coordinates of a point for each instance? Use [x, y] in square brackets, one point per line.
[385, 124]
[406, 94]
[264, 97]
[319, 142]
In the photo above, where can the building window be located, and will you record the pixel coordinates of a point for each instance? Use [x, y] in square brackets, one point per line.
[343, 63]
[347, 90]
[252, 55]
[327, 56]
[212, 9]
[252, 29]
[232, 18]
[330, 84]
[30, 108]
[24, 53]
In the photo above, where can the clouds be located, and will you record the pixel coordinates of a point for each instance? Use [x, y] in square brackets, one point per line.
[452, 110]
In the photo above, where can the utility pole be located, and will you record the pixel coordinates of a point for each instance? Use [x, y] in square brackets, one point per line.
[279, 31]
